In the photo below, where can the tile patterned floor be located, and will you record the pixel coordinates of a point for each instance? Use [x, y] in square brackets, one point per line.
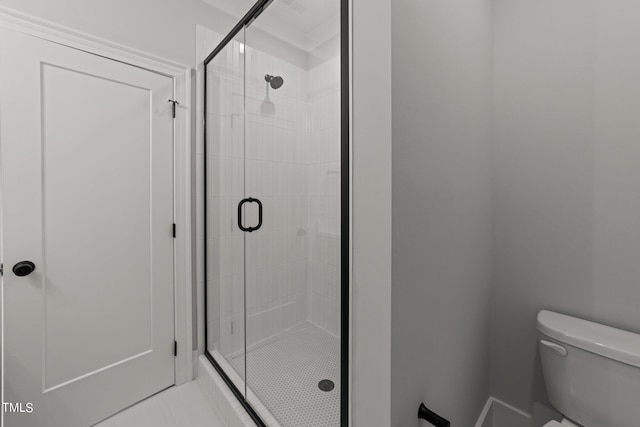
[284, 373]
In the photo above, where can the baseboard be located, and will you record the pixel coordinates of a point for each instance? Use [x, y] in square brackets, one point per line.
[486, 416]
[497, 413]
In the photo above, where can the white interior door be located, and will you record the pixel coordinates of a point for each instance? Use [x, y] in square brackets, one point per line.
[86, 152]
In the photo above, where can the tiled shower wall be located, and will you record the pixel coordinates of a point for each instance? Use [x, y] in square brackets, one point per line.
[324, 196]
[290, 161]
[277, 147]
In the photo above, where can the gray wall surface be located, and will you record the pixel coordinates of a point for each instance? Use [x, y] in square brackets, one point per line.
[566, 176]
[442, 130]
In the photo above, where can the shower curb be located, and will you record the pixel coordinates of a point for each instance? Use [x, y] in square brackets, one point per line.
[220, 397]
[224, 401]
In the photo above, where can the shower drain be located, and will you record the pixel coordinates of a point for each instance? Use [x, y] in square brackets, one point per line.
[326, 385]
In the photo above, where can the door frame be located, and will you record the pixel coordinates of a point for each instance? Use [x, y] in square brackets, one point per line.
[182, 162]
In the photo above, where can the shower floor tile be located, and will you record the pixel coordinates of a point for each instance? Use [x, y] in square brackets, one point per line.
[284, 372]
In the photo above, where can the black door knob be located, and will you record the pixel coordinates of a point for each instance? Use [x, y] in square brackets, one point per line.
[23, 268]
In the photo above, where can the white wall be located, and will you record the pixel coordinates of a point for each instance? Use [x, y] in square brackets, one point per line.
[371, 212]
[162, 27]
[324, 176]
[567, 204]
[442, 129]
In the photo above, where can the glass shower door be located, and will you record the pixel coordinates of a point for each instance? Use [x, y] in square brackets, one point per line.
[275, 312]
[292, 265]
[225, 190]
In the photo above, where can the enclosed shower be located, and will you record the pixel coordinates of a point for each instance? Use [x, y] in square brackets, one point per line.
[276, 221]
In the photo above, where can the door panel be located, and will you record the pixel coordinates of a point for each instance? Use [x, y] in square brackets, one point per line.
[71, 115]
[87, 184]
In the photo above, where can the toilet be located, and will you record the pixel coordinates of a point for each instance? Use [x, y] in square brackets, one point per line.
[591, 371]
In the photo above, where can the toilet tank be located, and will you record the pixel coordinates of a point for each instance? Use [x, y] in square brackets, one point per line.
[592, 371]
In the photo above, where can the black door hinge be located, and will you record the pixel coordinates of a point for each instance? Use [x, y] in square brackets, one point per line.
[175, 348]
[1, 269]
[173, 107]
[174, 230]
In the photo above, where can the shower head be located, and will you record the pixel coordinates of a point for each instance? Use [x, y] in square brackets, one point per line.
[276, 82]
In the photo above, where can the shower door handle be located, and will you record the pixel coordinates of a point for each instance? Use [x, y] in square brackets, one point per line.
[240, 225]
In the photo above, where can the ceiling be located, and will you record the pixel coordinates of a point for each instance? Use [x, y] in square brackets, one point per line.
[303, 23]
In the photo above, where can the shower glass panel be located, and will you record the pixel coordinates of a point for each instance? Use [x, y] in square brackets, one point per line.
[225, 188]
[292, 134]
[274, 215]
